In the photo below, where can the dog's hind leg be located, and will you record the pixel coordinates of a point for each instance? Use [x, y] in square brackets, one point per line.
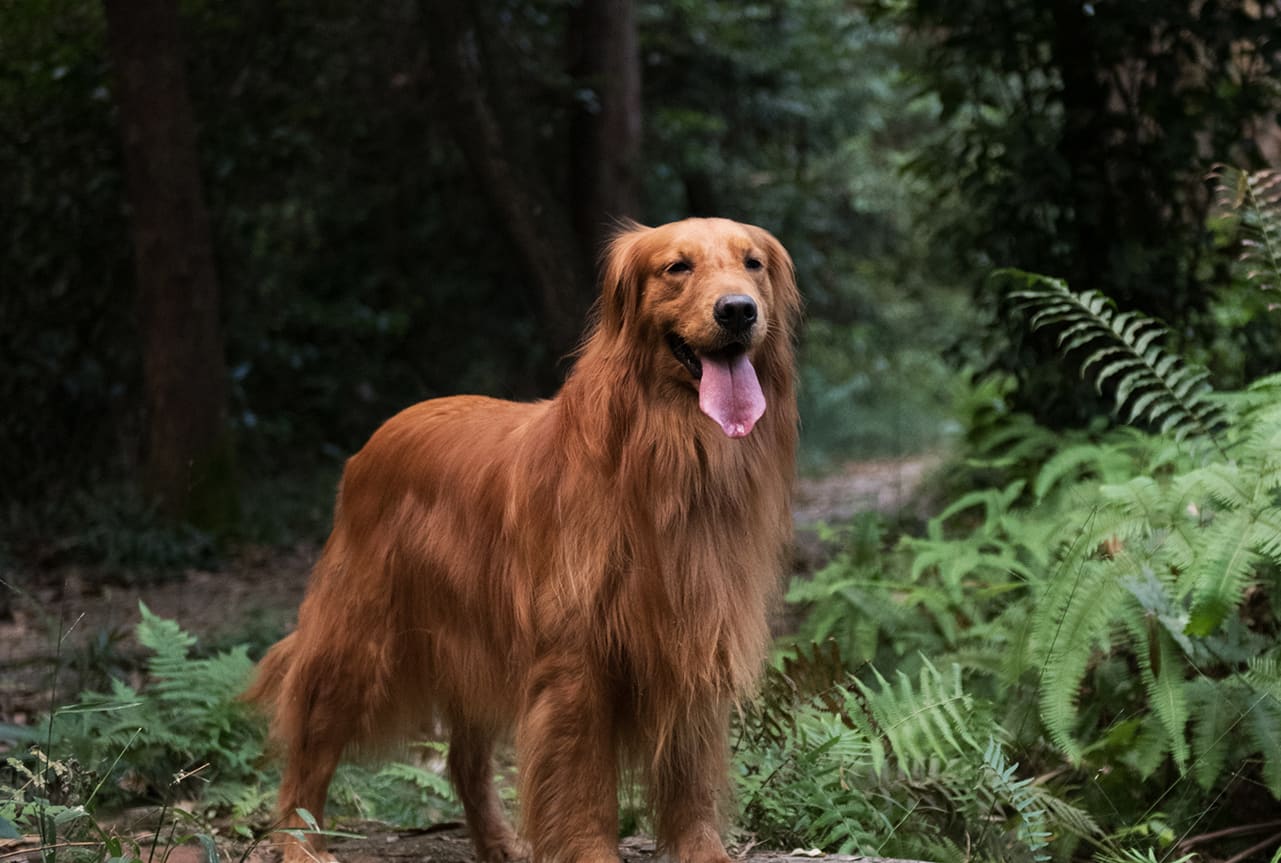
[321, 710]
[303, 789]
[471, 767]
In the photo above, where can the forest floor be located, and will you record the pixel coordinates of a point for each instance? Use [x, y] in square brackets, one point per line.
[68, 620]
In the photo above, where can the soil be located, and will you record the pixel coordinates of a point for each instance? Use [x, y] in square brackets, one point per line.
[69, 614]
[443, 843]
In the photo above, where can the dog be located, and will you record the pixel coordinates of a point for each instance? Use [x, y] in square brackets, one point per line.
[591, 572]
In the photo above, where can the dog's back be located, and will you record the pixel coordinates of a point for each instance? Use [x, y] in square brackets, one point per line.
[415, 590]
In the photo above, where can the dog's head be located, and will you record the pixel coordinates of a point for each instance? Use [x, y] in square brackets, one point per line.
[715, 301]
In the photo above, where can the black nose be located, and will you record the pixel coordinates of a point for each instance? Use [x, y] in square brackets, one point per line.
[735, 313]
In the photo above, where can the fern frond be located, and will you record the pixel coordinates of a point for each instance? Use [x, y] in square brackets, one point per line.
[1032, 828]
[1214, 716]
[1162, 671]
[1066, 816]
[1224, 569]
[1125, 356]
[1073, 617]
[1264, 726]
[1072, 462]
[920, 721]
[1253, 199]
[166, 640]
[1264, 675]
[995, 503]
[1250, 483]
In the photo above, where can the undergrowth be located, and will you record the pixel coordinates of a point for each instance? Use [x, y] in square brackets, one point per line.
[183, 743]
[1084, 642]
[1101, 629]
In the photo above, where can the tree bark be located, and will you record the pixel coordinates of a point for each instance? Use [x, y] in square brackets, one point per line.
[536, 221]
[188, 466]
[605, 132]
[1083, 147]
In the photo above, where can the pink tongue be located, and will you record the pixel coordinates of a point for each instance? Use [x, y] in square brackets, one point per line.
[730, 394]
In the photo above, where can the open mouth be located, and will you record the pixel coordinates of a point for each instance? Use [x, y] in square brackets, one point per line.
[692, 361]
[728, 389]
[685, 354]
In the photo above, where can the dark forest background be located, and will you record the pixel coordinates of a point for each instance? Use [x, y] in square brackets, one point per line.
[236, 236]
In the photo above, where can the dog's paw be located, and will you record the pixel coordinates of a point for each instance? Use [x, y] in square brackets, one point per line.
[298, 852]
[707, 855]
[701, 844]
[505, 849]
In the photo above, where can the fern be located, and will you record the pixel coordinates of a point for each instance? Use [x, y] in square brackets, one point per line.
[1242, 528]
[1217, 712]
[1164, 680]
[922, 749]
[1120, 594]
[187, 719]
[407, 794]
[1072, 620]
[1123, 352]
[186, 734]
[1032, 814]
[1253, 199]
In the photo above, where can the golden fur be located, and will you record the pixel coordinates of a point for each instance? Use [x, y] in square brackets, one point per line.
[592, 571]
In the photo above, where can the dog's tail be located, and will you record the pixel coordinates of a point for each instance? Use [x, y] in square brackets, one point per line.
[264, 692]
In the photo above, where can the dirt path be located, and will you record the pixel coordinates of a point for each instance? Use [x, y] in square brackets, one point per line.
[885, 486]
[443, 843]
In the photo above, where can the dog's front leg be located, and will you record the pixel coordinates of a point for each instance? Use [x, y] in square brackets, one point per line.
[568, 765]
[687, 783]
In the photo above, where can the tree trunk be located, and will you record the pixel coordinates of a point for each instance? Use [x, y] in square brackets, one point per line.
[1083, 148]
[605, 134]
[188, 463]
[535, 220]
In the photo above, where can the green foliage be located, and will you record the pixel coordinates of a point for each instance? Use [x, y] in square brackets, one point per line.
[1113, 593]
[26, 807]
[405, 793]
[1122, 351]
[910, 768]
[1157, 568]
[186, 724]
[1048, 639]
[185, 735]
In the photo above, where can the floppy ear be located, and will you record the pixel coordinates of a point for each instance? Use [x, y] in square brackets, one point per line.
[782, 277]
[621, 278]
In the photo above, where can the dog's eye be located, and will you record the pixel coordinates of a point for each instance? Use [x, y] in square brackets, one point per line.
[752, 263]
[678, 267]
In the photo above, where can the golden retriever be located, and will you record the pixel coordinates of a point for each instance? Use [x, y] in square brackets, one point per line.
[591, 571]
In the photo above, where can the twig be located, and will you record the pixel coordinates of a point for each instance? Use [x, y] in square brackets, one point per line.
[1253, 849]
[41, 849]
[1239, 830]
